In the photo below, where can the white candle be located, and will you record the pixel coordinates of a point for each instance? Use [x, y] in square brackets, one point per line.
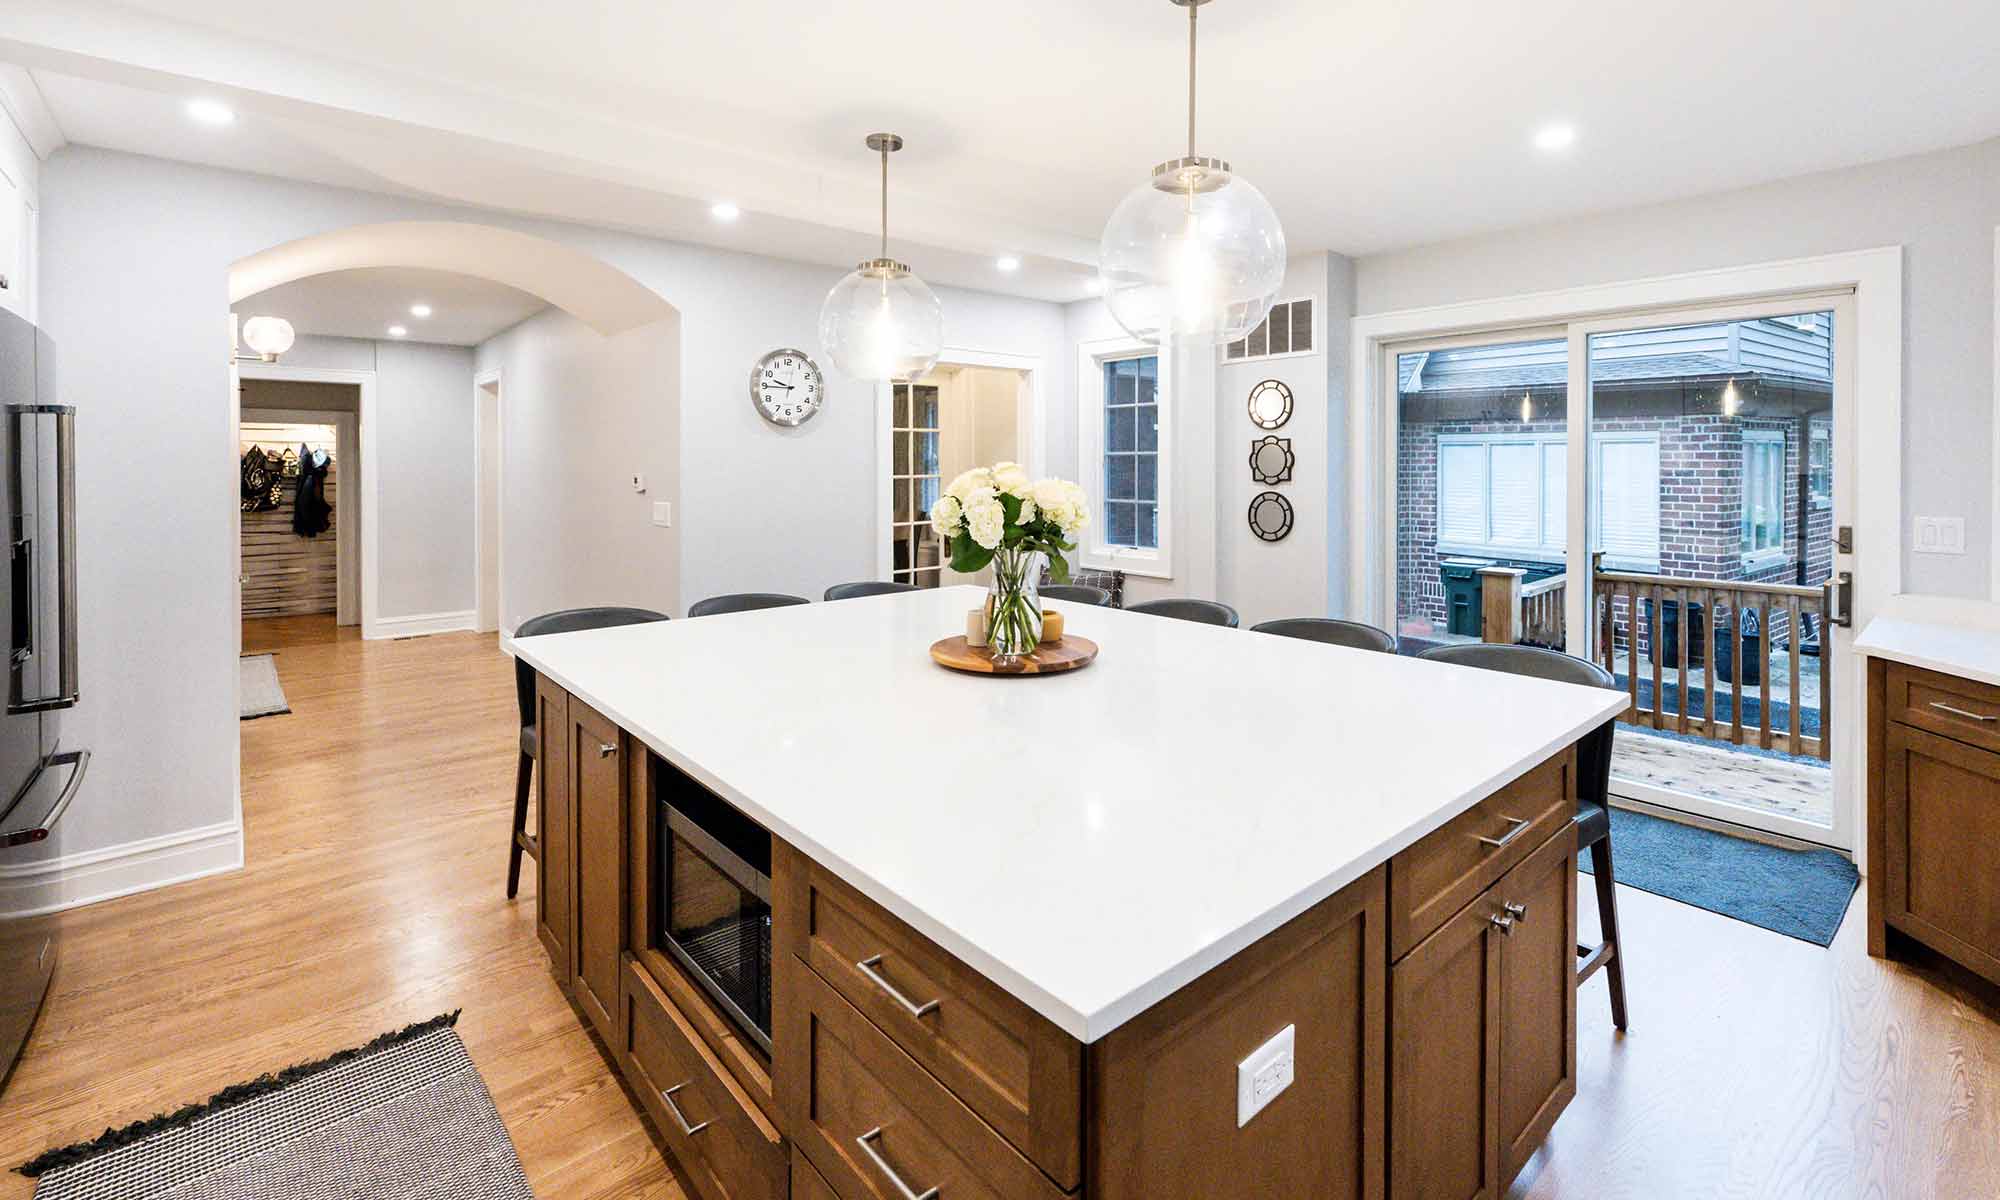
[975, 627]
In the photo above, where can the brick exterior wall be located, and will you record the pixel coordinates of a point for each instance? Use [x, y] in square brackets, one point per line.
[1701, 504]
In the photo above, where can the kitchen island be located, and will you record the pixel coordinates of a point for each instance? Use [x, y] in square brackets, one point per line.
[1023, 931]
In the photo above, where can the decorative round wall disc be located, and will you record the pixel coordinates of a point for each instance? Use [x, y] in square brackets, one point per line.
[1271, 459]
[1270, 516]
[1270, 404]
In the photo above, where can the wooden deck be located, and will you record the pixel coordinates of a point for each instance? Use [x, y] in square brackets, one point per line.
[1783, 787]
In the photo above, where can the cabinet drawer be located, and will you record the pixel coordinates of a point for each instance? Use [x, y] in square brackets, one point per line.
[1453, 864]
[1020, 1073]
[723, 1144]
[877, 1125]
[807, 1183]
[1946, 705]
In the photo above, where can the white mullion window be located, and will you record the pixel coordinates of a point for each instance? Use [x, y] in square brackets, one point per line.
[1505, 495]
[1124, 444]
[1625, 521]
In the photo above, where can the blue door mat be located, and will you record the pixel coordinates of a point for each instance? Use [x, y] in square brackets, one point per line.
[1799, 893]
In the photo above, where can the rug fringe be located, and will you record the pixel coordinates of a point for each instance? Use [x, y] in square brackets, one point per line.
[263, 1085]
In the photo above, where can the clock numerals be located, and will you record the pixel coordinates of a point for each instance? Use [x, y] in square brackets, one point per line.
[786, 386]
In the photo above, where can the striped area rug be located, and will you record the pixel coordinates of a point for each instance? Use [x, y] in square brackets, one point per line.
[405, 1116]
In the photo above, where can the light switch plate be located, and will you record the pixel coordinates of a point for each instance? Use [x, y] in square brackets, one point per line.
[1939, 535]
[663, 513]
[1266, 1073]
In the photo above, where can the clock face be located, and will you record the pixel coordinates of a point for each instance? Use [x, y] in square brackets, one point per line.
[786, 387]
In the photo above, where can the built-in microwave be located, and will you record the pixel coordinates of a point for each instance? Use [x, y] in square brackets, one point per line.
[712, 898]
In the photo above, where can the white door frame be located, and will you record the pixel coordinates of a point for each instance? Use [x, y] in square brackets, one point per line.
[363, 501]
[481, 383]
[1875, 352]
[1030, 427]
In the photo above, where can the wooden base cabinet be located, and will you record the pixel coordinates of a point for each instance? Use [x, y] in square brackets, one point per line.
[1934, 814]
[1483, 1034]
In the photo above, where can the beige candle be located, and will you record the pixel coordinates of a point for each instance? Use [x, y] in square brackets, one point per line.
[975, 627]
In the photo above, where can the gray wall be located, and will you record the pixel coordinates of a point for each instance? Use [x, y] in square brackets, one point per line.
[1942, 208]
[572, 404]
[136, 255]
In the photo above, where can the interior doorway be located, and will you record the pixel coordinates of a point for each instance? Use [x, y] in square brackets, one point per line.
[303, 435]
[954, 419]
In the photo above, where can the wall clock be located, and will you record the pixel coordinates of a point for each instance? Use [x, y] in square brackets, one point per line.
[786, 387]
[1271, 459]
[1270, 404]
[1270, 516]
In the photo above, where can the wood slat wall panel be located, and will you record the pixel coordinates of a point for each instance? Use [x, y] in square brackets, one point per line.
[285, 575]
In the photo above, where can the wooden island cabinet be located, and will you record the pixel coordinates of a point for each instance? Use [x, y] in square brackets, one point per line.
[1432, 1003]
[832, 965]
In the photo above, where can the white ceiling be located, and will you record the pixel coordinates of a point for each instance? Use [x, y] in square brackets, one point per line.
[1370, 124]
[364, 303]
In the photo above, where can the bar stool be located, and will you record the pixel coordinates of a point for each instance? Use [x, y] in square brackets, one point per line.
[1593, 806]
[1352, 634]
[1077, 593]
[736, 602]
[871, 587]
[1181, 608]
[569, 620]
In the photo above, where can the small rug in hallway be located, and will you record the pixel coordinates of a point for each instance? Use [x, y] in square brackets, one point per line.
[1799, 893]
[261, 695]
[406, 1115]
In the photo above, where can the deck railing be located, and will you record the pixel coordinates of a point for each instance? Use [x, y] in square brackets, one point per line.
[1513, 611]
[1727, 623]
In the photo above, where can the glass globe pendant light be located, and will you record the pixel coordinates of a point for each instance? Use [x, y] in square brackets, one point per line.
[1195, 252]
[881, 322]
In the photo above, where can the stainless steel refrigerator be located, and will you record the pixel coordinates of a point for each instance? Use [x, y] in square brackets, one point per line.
[39, 776]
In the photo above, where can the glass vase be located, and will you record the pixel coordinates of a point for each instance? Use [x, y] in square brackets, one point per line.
[1014, 605]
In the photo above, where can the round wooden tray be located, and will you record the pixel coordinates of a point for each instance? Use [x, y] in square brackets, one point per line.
[1072, 653]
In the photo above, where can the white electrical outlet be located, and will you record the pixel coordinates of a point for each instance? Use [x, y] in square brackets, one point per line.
[1266, 1073]
[663, 513]
[1939, 535]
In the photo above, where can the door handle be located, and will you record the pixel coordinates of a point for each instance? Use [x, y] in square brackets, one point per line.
[606, 749]
[668, 1096]
[1836, 600]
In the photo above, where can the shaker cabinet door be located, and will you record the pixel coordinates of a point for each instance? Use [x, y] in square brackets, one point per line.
[1537, 999]
[597, 794]
[1444, 1019]
[553, 876]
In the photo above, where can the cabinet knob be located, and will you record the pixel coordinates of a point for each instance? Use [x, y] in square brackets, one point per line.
[1505, 924]
[1517, 911]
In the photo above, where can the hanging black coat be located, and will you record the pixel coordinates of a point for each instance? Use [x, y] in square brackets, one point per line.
[311, 514]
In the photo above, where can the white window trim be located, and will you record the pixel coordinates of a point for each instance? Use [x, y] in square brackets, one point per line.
[1758, 560]
[1092, 551]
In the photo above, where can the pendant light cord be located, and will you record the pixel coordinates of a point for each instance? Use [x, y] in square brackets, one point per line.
[1192, 10]
[885, 202]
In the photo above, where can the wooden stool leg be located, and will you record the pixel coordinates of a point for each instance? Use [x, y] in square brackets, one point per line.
[523, 774]
[1607, 920]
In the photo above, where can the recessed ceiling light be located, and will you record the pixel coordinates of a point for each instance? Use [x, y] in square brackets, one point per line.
[1555, 137]
[398, 331]
[1007, 262]
[420, 310]
[211, 112]
[723, 210]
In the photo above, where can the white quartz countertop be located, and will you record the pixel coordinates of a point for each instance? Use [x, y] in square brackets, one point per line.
[1090, 841]
[1952, 649]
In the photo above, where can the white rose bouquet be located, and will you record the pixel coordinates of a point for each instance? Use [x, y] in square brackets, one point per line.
[996, 515]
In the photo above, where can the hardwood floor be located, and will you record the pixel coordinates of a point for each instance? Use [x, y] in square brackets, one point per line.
[376, 821]
[376, 816]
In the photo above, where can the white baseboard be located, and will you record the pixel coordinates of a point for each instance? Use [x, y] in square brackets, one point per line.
[384, 628]
[28, 889]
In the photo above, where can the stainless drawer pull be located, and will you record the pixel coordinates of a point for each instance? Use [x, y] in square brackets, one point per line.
[1504, 924]
[1519, 827]
[680, 1116]
[606, 749]
[1942, 707]
[867, 1143]
[867, 966]
[1517, 911]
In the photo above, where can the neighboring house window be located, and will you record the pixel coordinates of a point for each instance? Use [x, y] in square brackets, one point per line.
[1819, 467]
[1506, 496]
[1763, 496]
[1123, 418]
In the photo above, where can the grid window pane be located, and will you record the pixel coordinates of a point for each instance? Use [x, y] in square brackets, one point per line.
[901, 511]
[923, 408]
[1147, 418]
[927, 496]
[1125, 382]
[899, 549]
[927, 452]
[1149, 379]
[1148, 533]
[1121, 523]
[902, 421]
[899, 442]
[1149, 477]
[927, 579]
[1121, 430]
[1121, 475]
